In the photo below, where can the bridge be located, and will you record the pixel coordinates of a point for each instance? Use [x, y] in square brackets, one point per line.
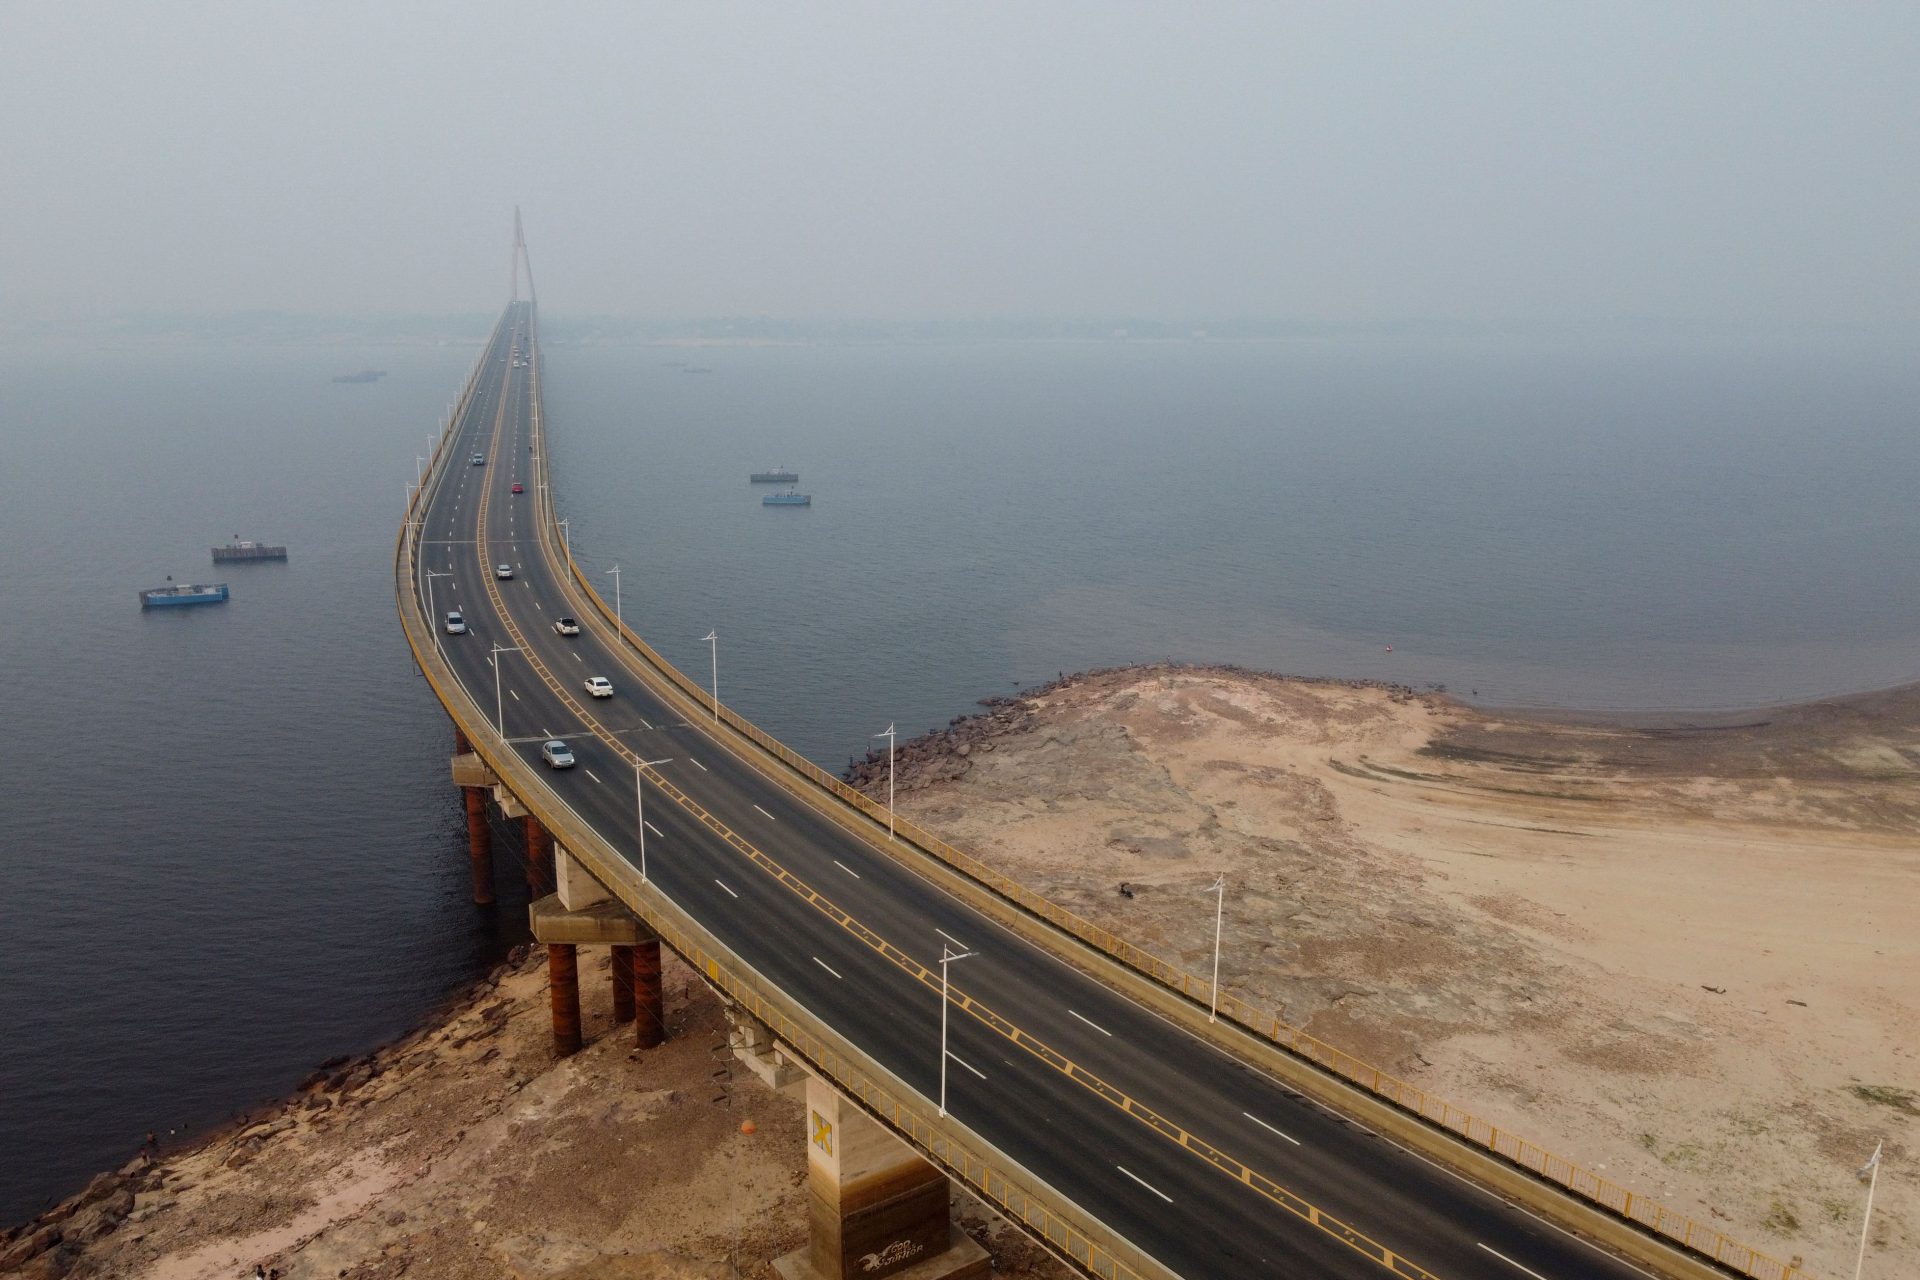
[946, 1025]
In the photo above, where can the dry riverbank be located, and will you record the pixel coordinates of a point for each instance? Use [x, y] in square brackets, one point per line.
[1683, 952]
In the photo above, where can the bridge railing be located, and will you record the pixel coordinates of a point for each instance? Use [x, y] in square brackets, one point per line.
[1044, 1212]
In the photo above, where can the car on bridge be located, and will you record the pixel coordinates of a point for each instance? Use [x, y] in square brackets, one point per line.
[557, 754]
[503, 571]
[599, 686]
[456, 623]
[566, 627]
[517, 488]
[479, 459]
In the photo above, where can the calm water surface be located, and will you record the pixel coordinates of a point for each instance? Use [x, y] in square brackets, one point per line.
[230, 845]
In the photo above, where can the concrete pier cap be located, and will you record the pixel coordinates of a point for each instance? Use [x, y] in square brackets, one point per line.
[875, 1207]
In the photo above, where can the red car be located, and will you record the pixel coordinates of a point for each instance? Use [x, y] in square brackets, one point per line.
[518, 489]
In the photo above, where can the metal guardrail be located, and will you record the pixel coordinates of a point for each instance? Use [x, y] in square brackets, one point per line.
[1676, 1227]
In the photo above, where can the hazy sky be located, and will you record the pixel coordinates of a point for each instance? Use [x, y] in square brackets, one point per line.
[1744, 162]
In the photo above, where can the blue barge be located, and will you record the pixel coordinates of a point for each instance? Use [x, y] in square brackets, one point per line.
[183, 594]
[787, 499]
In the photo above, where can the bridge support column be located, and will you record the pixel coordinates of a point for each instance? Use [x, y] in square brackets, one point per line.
[563, 989]
[876, 1208]
[479, 845]
[649, 1006]
[622, 983]
[539, 850]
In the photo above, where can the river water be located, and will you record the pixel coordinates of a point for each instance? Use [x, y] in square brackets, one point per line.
[231, 849]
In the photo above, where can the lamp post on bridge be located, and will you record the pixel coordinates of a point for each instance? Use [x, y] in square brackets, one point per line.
[433, 617]
[889, 735]
[619, 623]
[419, 470]
[566, 535]
[640, 805]
[713, 639]
[1219, 886]
[499, 708]
[947, 957]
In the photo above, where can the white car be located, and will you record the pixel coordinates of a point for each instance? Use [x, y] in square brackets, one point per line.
[503, 571]
[456, 624]
[566, 627]
[599, 686]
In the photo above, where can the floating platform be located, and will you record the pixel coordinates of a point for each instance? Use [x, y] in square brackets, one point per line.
[787, 499]
[184, 594]
[779, 475]
[237, 551]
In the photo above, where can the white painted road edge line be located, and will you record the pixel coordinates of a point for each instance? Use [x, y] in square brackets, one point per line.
[955, 941]
[843, 866]
[653, 829]
[1510, 1262]
[763, 813]
[1269, 1128]
[1103, 1031]
[830, 969]
[723, 885]
[595, 777]
[696, 764]
[1157, 1191]
[969, 1066]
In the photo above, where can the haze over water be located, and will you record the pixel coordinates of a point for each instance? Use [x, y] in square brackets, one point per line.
[232, 847]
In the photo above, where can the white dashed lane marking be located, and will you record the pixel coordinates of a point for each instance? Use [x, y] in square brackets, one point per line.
[829, 968]
[1097, 1027]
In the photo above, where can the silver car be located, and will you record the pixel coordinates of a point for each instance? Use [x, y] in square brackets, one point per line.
[456, 623]
[557, 754]
[503, 571]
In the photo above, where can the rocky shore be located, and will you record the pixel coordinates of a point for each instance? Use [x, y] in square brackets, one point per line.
[465, 1150]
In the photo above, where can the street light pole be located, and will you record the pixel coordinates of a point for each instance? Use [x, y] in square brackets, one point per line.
[1872, 1169]
[640, 806]
[431, 614]
[619, 624]
[1219, 913]
[947, 957]
[499, 709]
[888, 735]
[713, 639]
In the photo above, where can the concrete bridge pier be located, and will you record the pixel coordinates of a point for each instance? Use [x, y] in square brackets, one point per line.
[539, 850]
[471, 774]
[563, 990]
[876, 1208]
[580, 912]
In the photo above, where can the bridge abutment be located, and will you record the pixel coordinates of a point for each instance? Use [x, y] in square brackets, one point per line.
[874, 1206]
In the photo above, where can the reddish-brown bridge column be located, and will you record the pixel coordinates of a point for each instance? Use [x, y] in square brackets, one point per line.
[479, 845]
[649, 1012]
[539, 850]
[563, 988]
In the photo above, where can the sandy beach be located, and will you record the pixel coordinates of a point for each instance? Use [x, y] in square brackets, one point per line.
[1682, 951]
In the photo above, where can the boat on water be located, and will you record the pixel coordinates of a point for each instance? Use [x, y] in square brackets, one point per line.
[183, 593]
[787, 499]
[241, 549]
[779, 475]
